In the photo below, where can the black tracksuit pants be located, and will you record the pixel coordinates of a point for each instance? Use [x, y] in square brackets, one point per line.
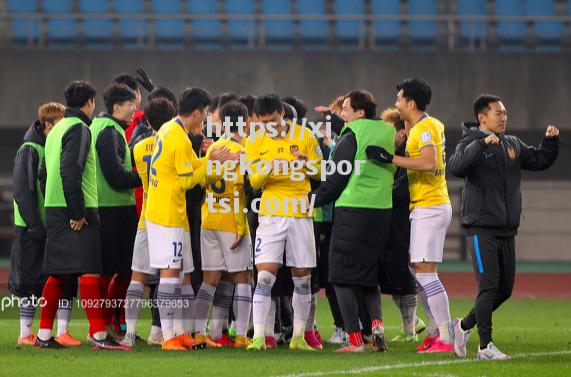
[493, 259]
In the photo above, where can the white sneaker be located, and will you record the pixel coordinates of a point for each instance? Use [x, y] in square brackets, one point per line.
[460, 337]
[339, 336]
[155, 339]
[491, 352]
[128, 340]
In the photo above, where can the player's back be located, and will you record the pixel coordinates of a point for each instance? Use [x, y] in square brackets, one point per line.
[172, 158]
[142, 154]
[217, 217]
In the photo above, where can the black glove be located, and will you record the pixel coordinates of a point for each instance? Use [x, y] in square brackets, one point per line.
[145, 80]
[379, 154]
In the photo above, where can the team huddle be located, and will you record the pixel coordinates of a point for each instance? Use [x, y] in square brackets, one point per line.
[133, 199]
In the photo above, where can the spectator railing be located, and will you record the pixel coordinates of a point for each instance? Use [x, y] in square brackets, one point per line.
[448, 36]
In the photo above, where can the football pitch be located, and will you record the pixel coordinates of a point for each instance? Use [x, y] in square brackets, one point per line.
[536, 333]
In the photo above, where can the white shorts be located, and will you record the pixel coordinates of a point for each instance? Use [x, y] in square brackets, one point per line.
[169, 247]
[141, 261]
[216, 253]
[295, 235]
[428, 226]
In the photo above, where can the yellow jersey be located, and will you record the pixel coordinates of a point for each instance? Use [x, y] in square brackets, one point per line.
[142, 153]
[174, 170]
[427, 188]
[230, 216]
[279, 189]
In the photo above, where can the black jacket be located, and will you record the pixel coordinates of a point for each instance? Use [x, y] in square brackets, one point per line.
[75, 147]
[491, 197]
[25, 178]
[331, 189]
[111, 149]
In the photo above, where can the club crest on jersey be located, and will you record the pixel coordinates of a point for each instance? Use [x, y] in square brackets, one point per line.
[293, 148]
[511, 153]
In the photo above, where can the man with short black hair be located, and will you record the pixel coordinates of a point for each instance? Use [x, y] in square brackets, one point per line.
[72, 220]
[116, 180]
[175, 168]
[396, 278]
[362, 217]
[491, 163]
[288, 226]
[225, 240]
[157, 112]
[299, 106]
[26, 278]
[431, 212]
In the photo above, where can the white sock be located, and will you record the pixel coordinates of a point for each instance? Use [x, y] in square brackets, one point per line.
[271, 319]
[45, 334]
[27, 313]
[187, 308]
[262, 301]
[63, 315]
[242, 307]
[221, 308]
[301, 302]
[203, 300]
[166, 300]
[155, 332]
[133, 305]
[432, 329]
[310, 325]
[437, 300]
[100, 335]
[178, 316]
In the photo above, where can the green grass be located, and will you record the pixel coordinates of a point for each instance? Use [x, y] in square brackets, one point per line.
[530, 330]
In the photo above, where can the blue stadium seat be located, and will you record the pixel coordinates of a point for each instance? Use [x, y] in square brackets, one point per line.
[386, 30]
[545, 32]
[205, 30]
[96, 31]
[24, 29]
[472, 29]
[422, 31]
[132, 30]
[513, 32]
[277, 30]
[168, 31]
[60, 30]
[349, 30]
[241, 30]
[312, 30]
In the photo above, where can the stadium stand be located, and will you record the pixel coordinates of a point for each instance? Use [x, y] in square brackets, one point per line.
[132, 31]
[206, 33]
[168, 31]
[386, 33]
[511, 25]
[422, 33]
[241, 32]
[60, 31]
[96, 32]
[473, 31]
[312, 31]
[24, 30]
[348, 31]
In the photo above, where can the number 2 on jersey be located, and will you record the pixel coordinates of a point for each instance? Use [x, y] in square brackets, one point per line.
[156, 155]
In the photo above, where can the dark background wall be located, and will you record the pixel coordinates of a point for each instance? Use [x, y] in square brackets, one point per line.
[535, 87]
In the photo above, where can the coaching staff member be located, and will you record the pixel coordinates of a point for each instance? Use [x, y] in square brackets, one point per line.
[491, 163]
